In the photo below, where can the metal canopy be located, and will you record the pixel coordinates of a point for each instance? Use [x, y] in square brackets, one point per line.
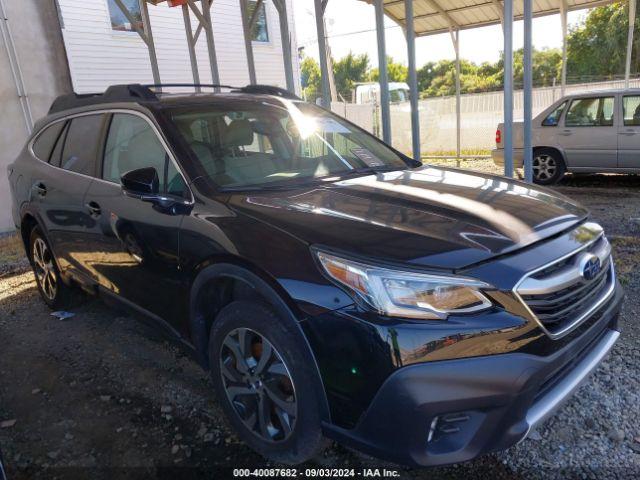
[439, 16]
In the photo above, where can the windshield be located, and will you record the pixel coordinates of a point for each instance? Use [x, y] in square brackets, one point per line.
[279, 143]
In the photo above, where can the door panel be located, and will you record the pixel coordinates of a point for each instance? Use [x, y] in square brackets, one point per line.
[629, 133]
[589, 135]
[59, 191]
[135, 244]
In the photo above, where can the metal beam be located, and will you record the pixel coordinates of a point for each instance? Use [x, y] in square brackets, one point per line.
[632, 22]
[455, 38]
[443, 13]
[211, 44]
[508, 88]
[527, 90]
[285, 37]
[385, 109]
[413, 79]
[146, 22]
[247, 27]
[563, 22]
[191, 45]
[320, 6]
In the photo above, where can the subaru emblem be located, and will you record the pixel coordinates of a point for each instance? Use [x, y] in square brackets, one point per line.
[590, 267]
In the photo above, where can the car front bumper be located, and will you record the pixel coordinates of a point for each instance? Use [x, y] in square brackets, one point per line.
[451, 411]
[497, 154]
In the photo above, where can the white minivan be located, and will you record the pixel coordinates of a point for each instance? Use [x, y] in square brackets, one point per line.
[594, 132]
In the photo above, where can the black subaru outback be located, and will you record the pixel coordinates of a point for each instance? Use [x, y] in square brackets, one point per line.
[332, 286]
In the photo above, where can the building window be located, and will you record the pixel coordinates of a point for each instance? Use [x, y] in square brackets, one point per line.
[119, 20]
[260, 32]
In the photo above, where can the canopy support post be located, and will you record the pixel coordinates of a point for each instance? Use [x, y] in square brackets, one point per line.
[384, 75]
[191, 44]
[285, 37]
[320, 6]
[455, 37]
[632, 22]
[144, 10]
[247, 26]
[527, 90]
[508, 88]
[563, 21]
[211, 44]
[413, 78]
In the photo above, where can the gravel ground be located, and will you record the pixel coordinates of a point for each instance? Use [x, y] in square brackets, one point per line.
[102, 395]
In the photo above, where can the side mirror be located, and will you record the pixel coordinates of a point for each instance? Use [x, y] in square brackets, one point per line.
[144, 184]
[141, 182]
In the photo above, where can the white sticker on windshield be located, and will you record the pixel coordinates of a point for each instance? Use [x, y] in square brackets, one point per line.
[367, 157]
[329, 125]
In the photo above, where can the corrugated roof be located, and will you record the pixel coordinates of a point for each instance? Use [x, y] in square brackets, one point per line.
[438, 16]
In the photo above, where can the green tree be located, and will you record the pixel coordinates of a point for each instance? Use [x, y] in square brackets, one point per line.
[310, 78]
[348, 71]
[597, 48]
[397, 72]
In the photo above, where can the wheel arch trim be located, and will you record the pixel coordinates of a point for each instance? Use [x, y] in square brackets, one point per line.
[198, 321]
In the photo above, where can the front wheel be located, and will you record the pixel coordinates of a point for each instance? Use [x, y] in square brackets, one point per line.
[548, 166]
[264, 382]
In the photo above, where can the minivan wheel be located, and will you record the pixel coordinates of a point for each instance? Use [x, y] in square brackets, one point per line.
[264, 383]
[55, 293]
[548, 166]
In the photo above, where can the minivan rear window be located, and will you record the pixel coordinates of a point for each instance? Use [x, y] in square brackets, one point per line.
[81, 144]
[43, 145]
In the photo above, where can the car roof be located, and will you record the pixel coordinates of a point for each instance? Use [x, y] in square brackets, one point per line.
[611, 91]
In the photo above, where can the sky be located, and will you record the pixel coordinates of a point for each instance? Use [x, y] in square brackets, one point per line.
[351, 27]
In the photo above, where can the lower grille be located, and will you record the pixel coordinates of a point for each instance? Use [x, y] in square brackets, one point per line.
[564, 294]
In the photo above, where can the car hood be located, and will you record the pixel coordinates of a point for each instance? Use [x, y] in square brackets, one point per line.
[438, 218]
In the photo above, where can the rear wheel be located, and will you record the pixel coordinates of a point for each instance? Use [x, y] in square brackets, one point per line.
[53, 290]
[264, 382]
[548, 166]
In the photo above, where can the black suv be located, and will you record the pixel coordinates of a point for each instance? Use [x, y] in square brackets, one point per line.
[332, 286]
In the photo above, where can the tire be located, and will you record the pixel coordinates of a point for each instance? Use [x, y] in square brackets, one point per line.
[548, 166]
[55, 293]
[282, 386]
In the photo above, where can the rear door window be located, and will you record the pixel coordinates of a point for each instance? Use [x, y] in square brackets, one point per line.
[81, 144]
[591, 112]
[46, 140]
[631, 107]
[56, 155]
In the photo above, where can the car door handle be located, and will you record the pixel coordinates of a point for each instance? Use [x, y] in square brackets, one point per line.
[628, 133]
[40, 189]
[566, 133]
[94, 209]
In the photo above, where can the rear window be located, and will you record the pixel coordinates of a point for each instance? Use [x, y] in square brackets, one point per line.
[81, 144]
[43, 145]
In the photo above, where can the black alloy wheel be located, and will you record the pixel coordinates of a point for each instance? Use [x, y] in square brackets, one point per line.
[258, 385]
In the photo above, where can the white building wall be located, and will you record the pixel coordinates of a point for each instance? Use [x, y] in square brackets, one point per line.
[99, 56]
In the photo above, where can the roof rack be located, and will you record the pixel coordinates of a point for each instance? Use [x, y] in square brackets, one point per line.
[115, 93]
[268, 90]
[145, 93]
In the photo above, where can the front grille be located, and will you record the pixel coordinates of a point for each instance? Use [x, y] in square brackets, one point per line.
[559, 295]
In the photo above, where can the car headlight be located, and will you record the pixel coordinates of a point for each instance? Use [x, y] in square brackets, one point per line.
[406, 294]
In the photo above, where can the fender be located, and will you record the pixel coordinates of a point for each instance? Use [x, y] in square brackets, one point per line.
[198, 321]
